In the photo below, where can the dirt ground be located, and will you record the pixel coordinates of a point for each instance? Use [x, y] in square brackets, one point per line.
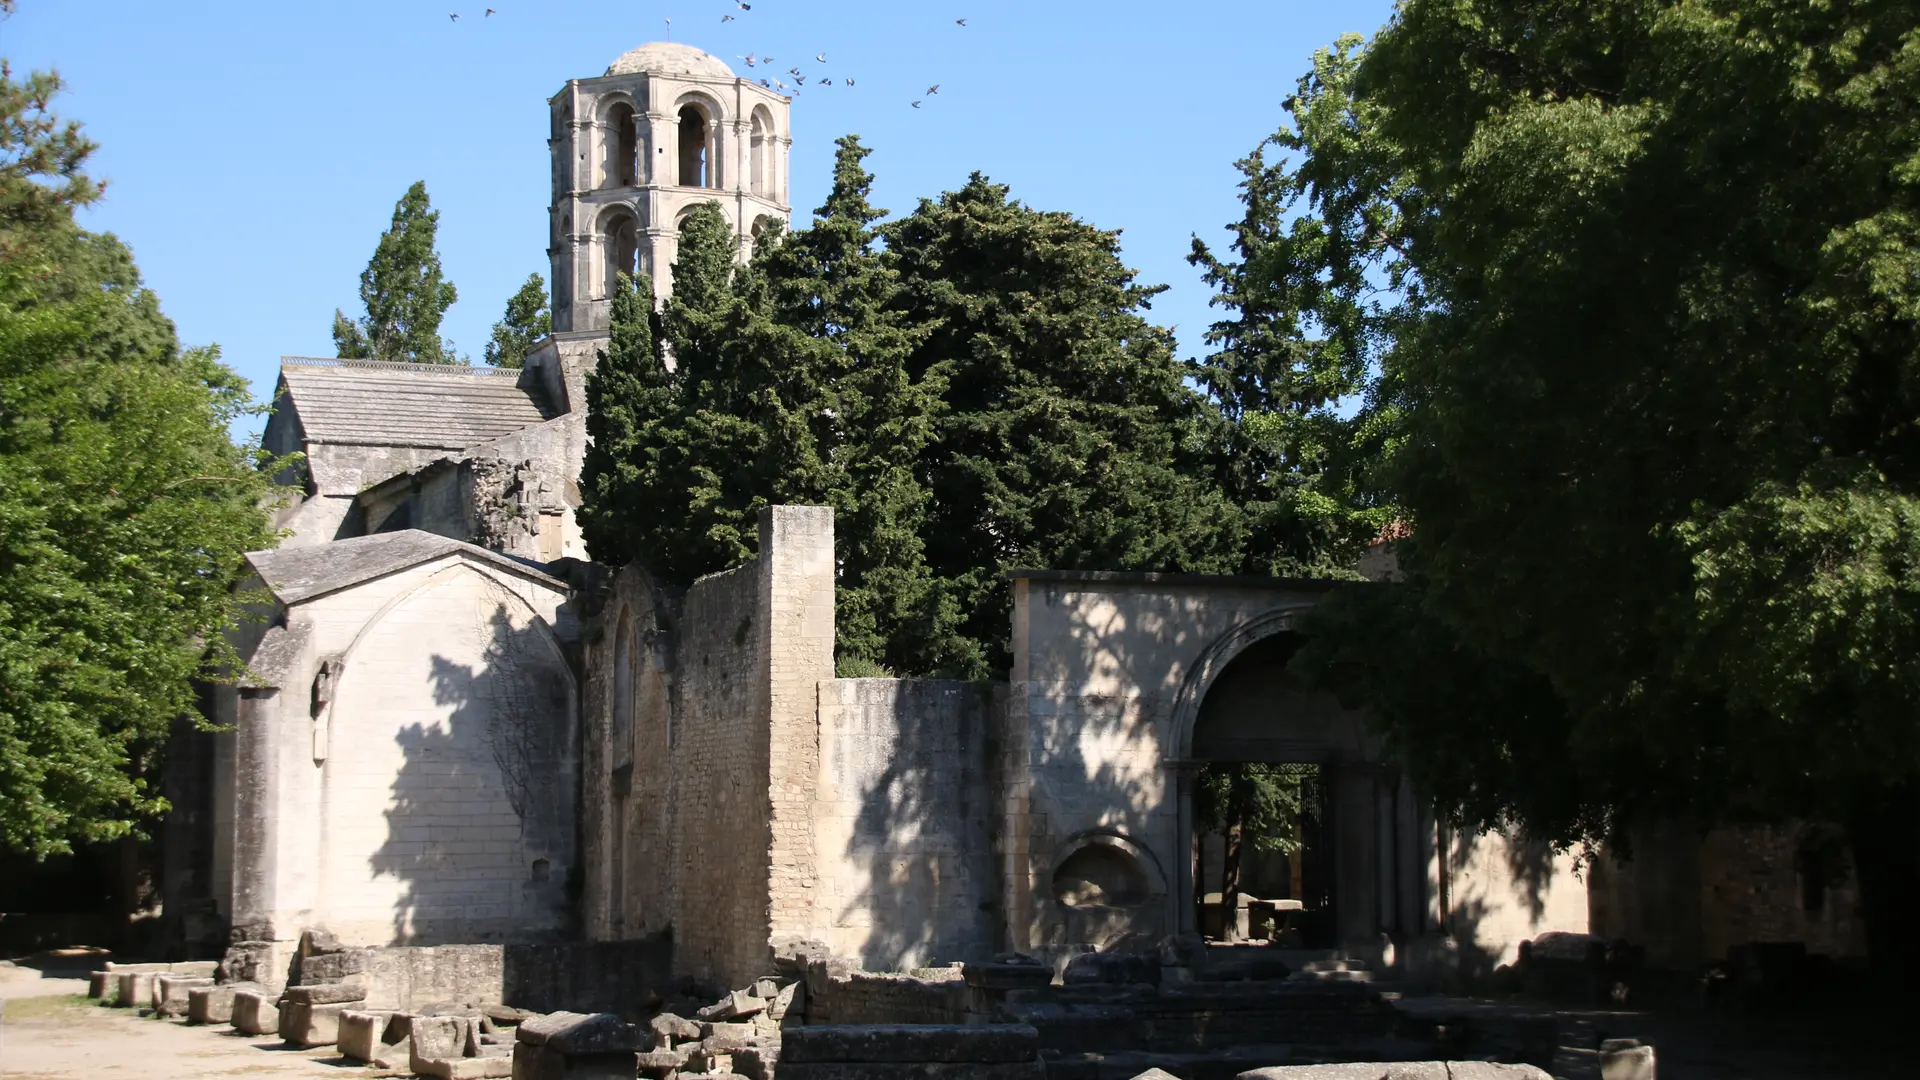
[50, 1030]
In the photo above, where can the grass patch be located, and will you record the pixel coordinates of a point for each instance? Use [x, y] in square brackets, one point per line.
[40, 1008]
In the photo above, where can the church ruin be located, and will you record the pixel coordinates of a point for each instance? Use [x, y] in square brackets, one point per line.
[455, 730]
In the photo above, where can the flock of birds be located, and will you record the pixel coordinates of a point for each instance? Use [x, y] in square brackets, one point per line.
[799, 77]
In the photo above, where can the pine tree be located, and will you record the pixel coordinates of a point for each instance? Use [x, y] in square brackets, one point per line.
[403, 291]
[1067, 432]
[527, 320]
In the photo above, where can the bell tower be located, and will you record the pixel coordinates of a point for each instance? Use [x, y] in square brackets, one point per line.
[633, 152]
[666, 128]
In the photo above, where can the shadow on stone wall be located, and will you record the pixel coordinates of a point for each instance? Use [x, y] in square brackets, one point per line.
[922, 834]
[480, 817]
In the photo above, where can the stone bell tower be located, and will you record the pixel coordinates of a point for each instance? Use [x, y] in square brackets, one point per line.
[634, 151]
[666, 128]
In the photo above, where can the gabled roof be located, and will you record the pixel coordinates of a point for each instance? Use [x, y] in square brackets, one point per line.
[303, 573]
[373, 403]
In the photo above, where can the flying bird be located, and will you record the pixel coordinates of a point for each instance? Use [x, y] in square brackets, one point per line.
[726, 18]
[800, 80]
[960, 22]
[932, 90]
[822, 58]
[826, 82]
[741, 6]
[454, 16]
[849, 82]
[749, 59]
[916, 104]
[793, 71]
[490, 14]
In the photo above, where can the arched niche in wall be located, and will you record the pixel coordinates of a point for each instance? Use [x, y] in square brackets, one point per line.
[1103, 887]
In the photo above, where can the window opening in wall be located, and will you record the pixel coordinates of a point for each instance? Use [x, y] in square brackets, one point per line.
[563, 267]
[552, 542]
[622, 249]
[622, 147]
[695, 143]
[758, 154]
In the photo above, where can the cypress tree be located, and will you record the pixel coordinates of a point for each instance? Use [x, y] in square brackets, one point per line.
[628, 392]
[403, 291]
[1067, 435]
[830, 283]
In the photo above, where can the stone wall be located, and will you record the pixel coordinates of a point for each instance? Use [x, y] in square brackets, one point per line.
[838, 994]
[591, 976]
[719, 732]
[903, 815]
[427, 795]
[703, 750]
[1687, 896]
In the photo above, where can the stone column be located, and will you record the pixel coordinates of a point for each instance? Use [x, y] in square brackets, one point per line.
[797, 571]
[1184, 896]
[663, 150]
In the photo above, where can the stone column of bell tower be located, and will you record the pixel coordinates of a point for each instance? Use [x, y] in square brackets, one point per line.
[666, 128]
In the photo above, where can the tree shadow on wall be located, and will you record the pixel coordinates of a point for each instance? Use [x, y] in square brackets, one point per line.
[480, 813]
[930, 812]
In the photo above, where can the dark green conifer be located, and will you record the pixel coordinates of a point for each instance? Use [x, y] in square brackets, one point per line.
[528, 319]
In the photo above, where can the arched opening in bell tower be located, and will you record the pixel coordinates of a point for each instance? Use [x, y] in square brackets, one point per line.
[621, 244]
[761, 153]
[623, 147]
[696, 148]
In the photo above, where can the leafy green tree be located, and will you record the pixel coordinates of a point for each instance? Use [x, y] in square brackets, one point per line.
[1314, 290]
[1657, 384]
[528, 319]
[403, 291]
[125, 511]
[1067, 436]
[1257, 804]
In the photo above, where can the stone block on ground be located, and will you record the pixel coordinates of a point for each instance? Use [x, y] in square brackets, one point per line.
[1626, 1059]
[306, 1025]
[736, 1005]
[440, 1038]
[325, 994]
[170, 992]
[133, 989]
[667, 1026]
[100, 984]
[213, 1004]
[363, 1033]
[473, 1068]
[255, 1012]
[945, 1043]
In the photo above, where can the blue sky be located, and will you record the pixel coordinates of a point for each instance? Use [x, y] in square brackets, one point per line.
[255, 151]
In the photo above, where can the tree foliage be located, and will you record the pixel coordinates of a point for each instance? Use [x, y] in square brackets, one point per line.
[1258, 804]
[787, 386]
[403, 292]
[1654, 371]
[1066, 436]
[1315, 293]
[125, 510]
[528, 319]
